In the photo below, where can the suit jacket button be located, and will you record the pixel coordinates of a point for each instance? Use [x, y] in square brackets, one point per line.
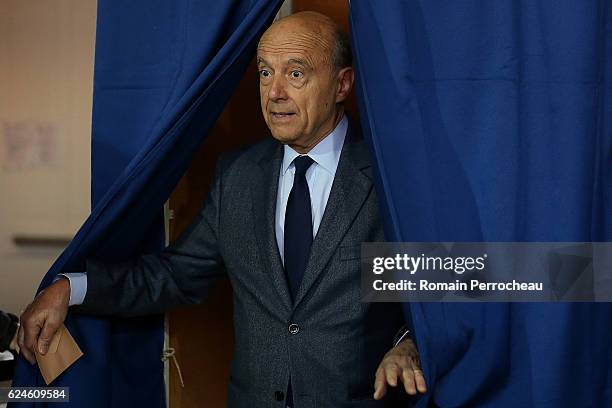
[294, 328]
[279, 395]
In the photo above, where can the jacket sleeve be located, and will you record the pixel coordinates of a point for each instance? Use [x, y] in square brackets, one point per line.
[181, 274]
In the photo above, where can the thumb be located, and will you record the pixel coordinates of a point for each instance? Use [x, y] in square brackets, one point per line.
[46, 335]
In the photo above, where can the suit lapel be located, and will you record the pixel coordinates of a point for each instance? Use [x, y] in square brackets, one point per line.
[350, 188]
[264, 188]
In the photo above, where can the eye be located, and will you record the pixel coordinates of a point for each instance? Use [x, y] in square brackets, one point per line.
[296, 74]
[265, 73]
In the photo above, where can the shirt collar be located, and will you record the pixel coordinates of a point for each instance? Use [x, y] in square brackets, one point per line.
[326, 153]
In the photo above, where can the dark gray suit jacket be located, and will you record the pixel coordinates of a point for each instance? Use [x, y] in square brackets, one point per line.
[336, 342]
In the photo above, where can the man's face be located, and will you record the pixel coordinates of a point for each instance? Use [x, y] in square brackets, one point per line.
[298, 85]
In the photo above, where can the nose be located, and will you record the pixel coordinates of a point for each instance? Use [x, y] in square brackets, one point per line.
[277, 90]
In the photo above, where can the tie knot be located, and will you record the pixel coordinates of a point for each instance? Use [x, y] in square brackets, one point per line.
[302, 163]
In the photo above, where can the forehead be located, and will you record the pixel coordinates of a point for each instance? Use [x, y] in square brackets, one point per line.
[283, 44]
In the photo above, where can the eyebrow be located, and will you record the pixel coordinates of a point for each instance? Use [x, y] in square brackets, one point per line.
[295, 61]
[298, 61]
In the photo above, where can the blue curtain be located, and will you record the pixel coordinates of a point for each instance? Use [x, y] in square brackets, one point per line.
[163, 72]
[491, 121]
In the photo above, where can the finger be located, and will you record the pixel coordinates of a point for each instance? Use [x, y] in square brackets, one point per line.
[391, 373]
[408, 380]
[46, 334]
[22, 348]
[380, 384]
[419, 379]
[32, 330]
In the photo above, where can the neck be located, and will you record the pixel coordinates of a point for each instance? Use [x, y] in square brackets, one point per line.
[304, 149]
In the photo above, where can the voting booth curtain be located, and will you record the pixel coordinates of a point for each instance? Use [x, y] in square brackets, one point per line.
[490, 121]
[163, 73]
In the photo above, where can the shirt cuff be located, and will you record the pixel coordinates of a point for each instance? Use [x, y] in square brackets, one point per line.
[78, 286]
[401, 335]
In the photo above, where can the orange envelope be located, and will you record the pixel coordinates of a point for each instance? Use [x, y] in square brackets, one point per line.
[63, 352]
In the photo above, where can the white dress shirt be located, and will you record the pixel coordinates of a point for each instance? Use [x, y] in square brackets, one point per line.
[320, 176]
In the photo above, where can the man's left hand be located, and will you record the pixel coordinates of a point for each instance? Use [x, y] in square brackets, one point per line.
[401, 362]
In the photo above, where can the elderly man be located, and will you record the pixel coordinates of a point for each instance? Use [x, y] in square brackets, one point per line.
[285, 219]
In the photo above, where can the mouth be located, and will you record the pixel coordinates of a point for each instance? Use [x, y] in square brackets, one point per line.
[282, 116]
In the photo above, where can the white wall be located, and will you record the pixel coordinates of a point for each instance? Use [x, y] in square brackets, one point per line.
[46, 71]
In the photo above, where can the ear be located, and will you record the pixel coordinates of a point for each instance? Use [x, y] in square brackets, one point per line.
[345, 78]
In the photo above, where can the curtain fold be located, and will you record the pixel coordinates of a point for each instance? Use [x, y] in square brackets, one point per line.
[163, 73]
[490, 121]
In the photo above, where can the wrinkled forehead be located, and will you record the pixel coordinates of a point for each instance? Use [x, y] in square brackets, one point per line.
[282, 44]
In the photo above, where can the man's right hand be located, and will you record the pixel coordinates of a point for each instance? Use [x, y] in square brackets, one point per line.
[42, 318]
